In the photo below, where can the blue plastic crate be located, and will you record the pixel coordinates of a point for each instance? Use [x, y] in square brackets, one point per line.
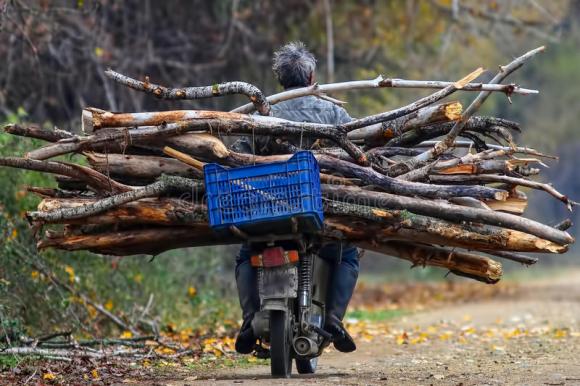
[262, 198]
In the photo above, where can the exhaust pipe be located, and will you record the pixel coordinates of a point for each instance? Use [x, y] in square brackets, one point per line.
[305, 346]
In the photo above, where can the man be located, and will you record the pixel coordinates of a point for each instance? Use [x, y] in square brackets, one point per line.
[294, 66]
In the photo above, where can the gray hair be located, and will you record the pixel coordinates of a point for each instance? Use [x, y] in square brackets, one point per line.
[293, 64]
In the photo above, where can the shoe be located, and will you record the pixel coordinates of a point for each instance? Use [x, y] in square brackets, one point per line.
[247, 284]
[340, 291]
[246, 340]
[341, 339]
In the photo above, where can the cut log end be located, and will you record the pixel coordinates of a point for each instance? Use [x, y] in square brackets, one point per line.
[501, 196]
[453, 111]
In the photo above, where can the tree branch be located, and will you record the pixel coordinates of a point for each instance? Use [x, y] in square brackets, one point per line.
[449, 139]
[380, 82]
[230, 88]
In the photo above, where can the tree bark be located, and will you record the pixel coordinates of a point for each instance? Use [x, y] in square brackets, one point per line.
[380, 82]
[454, 213]
[462, 263]
[380, 134]
[449, 139]
[255, 95]
[487, 178]
[156, 240]
[395, 224]
[37, 132]
[138, 166]
[91, 177]
[356, 223]
[164, 185]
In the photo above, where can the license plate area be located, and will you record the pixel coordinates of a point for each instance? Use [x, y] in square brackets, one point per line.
[279, 282]
[274, 257]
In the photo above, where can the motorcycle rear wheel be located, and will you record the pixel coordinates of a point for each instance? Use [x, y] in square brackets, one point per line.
[280, 345]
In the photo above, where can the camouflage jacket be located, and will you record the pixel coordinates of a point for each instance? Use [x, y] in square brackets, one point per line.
[303, 109]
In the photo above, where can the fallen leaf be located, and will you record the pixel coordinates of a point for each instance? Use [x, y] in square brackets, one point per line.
[48, 376]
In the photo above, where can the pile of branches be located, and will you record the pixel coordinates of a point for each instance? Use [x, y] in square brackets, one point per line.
[399, 182]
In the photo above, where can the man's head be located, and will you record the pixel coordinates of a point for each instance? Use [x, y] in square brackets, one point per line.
[294, 65]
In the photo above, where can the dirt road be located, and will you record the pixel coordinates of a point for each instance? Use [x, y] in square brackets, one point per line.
[532, 338]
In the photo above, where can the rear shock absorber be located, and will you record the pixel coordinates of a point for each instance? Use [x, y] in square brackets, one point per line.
[305, 281]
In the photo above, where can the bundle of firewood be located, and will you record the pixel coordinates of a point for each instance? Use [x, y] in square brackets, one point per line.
[399, 182]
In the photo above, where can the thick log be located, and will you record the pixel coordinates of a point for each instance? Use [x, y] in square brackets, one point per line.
[466, 264]
[383, 225]
[152, 211]
[483, 167]
[202, 145]
[138, 166]
[255, 95]
[516, 203]
[150, 241]
[454, 213]
[369, 223]
[156, 240]
[380, 134]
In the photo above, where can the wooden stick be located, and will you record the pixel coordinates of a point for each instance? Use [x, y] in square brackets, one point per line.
[469, 144]
[490, 178]
[448, 141]
[165, 184]
[186, 159]
[380, 82]
[91, 177]
[412, 107]
[255, 95]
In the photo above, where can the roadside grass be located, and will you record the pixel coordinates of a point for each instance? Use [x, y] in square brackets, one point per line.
[8, 362]
[376, 315]
[234, 361]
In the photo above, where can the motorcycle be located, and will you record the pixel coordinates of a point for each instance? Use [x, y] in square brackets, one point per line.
[277, 209]
[292, 286]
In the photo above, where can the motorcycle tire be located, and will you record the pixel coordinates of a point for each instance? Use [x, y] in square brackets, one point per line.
[280, 345]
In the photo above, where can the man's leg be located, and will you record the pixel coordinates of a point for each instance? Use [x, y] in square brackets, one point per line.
[341, 288]
[247, 284]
